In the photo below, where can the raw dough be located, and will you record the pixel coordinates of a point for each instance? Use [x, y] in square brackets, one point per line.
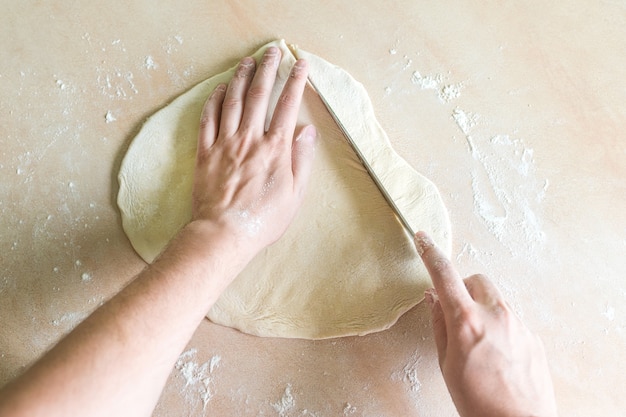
[344, 267]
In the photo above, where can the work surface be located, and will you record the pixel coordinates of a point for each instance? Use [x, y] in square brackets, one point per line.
[517, 112]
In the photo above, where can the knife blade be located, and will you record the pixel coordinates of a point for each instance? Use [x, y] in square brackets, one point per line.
[396, 210]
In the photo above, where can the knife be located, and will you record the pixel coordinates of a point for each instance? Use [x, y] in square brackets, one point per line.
[396, 210]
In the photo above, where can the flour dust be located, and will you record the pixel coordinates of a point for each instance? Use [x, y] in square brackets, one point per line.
[199, 378]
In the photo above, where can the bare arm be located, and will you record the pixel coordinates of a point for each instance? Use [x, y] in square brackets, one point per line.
[248, 185]
[492, 364]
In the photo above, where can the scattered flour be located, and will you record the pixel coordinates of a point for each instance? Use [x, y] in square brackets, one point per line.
[149, 63]
[505, 188]
[450, 92]
[504, 185]
[349, 409]
[86, 277]
[108, 117]
[199, 380]
[609, 313]
[466, 121]
[445, 92]
[469, 250]
[408, 374]
[70, 320]
[286, 403]
[430, 82]
[172, 43]
[116, 83]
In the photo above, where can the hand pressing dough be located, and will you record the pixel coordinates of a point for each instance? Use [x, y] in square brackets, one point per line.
[345, 266]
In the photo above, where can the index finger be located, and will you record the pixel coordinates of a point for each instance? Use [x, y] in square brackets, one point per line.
[448, 283]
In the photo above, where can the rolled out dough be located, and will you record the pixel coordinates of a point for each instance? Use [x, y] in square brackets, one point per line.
[345, 266]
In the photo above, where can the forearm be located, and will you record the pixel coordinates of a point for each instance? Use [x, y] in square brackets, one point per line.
[126, 349]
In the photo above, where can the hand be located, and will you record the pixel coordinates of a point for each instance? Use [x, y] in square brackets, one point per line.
[492, 364]
[248, 181]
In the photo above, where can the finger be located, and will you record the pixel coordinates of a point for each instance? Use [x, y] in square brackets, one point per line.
[209, 119]
[440, 331]
[302, 155]
[286, 113]
[482, 290]
[232, 108]
[447, 281]
[258, 96]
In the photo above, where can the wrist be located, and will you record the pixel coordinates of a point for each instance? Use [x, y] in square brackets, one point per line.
[205, 240]
[207, 252]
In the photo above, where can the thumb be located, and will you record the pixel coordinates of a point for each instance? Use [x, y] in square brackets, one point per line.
[439, 325]
[302, 153]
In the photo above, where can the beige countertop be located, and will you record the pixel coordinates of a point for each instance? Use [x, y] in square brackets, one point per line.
[516, 111]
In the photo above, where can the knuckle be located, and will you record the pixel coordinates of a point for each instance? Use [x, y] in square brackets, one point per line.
[231, 102]
[470, 325]
[288, 100]
[203, 155]
[274, 137]
[466, 315]
[256, 92]
[478, 278]
[205, 121]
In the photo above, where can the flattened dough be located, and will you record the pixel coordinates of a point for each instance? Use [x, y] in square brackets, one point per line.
[345, 266]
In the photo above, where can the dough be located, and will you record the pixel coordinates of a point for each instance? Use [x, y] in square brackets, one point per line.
[345, 266]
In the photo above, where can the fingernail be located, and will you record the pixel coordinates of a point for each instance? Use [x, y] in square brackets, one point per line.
[272, 56]
[429, 299]
[245, 67]
[220, 88]
[247, 61]
[423, 242]
[309, 133]
[298, 67]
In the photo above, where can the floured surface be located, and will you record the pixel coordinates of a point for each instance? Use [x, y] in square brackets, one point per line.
[538, 206]
[344, 267]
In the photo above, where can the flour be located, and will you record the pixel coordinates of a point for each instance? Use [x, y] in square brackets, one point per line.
[61, 84]
[349, 409]
[469, 250]
[503, 176]
[450, 92]
[70, 320]
[506, 190]
[199, 378]
[408, 374]
[109, 118]
[286, 403]
[609, 313]
[501, 198]
[116, 83]
[149, 63]
[466, 121]
[445, 92]
[430, 82]
[172, 43]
